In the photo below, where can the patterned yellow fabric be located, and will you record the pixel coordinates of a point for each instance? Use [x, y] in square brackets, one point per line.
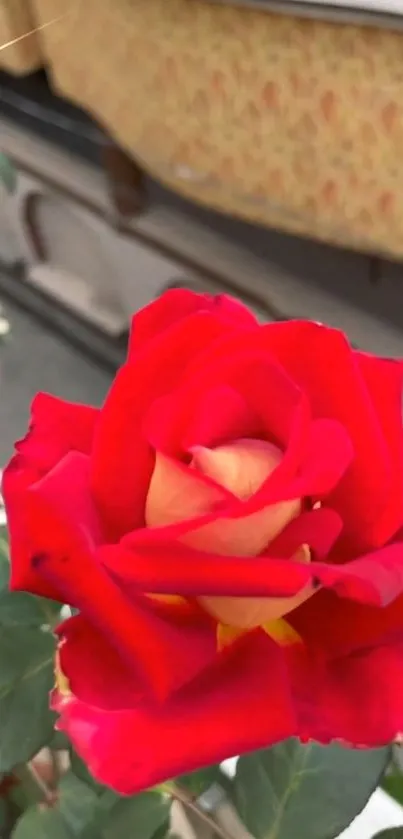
[16, 20]
[297, 124]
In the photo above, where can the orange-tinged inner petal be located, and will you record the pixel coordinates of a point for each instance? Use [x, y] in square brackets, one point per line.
[251, 612]
[247, 536]
[241, 466]
[177, 493]
[226, 635]
[168, 599]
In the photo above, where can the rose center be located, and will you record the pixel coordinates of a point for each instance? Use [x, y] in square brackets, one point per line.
[240, 467]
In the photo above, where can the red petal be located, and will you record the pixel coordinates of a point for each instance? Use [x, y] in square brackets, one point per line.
[321, 461]
[336, 627]
[268, 390]
[319, 529]
[56, 428]
[357, 698]
[176, 304]
[375, 578]
[322, 363]
[384, 380]
[65, 530]
[222, 414]
[176, 569]
[99, 674]
[239, 705]
[122, 459]
[200, 417]
[18, 477]
[255, 695]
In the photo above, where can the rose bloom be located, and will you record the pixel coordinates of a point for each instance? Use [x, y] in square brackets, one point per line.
[227, 526]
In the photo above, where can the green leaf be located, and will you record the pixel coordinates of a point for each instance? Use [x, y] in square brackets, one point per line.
[77, 803]
[3, 814]
[81, 771]
[4, 550]
[163, 830]
[392, 783]
[59, 742]
[142, 815]
[8, 174]
[26, 677]
[74, 811]
[20, 609]
[391, 833]
[198, 782]
[106, 800]
[41, 823]
[145, 816]
[311, 791]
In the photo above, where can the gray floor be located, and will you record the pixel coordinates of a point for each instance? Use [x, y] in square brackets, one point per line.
[32, 359]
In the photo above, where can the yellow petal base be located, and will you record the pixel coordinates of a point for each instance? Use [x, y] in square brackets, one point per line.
[279, 630]
[61, 681]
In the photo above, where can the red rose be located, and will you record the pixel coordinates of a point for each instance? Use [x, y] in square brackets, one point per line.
[226, 526]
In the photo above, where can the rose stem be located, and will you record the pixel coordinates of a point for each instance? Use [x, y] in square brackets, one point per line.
[186, 799]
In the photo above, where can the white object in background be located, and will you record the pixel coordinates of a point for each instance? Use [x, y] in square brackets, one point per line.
[394, 7]
[380, 813]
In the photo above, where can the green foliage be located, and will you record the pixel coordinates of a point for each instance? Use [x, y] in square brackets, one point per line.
[80, 770]
[198, 782]
[41, 823]
[392, 833]
[26, 670]
[77, 803]
[393, 784]
[3, 540]
[26, 677]
[3, 815]
[18, 608]
[311, 791]
[8, 175]
[79, 813]
[145, 813]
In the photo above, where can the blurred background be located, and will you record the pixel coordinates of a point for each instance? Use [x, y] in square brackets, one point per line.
[249, 147]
